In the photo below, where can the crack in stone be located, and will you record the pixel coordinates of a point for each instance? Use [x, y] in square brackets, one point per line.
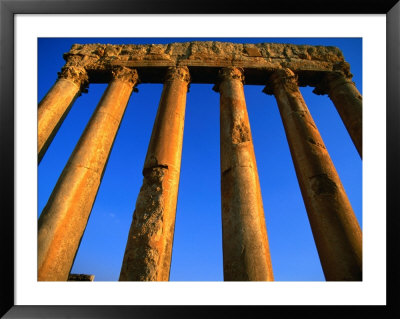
[321, 184]
[311, 140]
[148, 220]
[88, 168]
[302, 114]
[232, 167]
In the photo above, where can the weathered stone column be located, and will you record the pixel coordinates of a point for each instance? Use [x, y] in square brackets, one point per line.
[54, 107]
[348, 102]
[246, 253]
[335, 228]
[149, 246]
[64, 218]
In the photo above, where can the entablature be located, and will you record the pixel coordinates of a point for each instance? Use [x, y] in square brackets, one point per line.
[204, 59]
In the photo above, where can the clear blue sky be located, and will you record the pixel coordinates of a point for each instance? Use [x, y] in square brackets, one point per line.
[197, 249]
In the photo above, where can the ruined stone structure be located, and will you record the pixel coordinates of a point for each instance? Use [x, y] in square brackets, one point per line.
[282, 69]
[80, 277]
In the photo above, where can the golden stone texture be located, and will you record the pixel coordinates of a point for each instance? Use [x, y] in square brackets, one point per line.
[149, 247]
[55, 106]
[80, 277]
[246, 253]
[334, 226]
[96, 57]
[63, 220]
[348, 102]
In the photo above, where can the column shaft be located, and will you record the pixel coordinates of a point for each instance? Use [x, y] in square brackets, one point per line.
[149, 246]
[54, 107]
[348, 103]
[64, 218]
[246, 255]
[335, 228]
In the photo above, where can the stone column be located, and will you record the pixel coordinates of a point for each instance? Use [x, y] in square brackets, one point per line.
[348, 102]
[55, 106]
[335, 228]
[149, 246]
[64, 218]
[246, 255]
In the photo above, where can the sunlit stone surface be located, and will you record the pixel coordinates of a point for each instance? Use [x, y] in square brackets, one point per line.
[282, 68]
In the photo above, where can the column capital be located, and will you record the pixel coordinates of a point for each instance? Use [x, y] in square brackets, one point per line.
[229, 73]
[63, 220]
[124, 74]
[76, 74]
[284, 77]
[179, 72]
[148, 249]
[328, 208]
[329, 81]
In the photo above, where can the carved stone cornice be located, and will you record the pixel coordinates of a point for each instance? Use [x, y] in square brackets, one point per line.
[282, 77]
[125, 74]
[211, 51]
[151, 60]
[177, 73]
[330, 81]
[228, 74]
[76, 74]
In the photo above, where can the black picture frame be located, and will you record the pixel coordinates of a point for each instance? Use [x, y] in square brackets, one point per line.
[8, 10]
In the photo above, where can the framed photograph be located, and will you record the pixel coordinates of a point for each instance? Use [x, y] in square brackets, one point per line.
[35, 36]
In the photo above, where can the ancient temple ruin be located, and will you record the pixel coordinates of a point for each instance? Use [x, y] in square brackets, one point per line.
[282, 68]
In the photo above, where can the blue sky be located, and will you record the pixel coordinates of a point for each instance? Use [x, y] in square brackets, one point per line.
[197, 249]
